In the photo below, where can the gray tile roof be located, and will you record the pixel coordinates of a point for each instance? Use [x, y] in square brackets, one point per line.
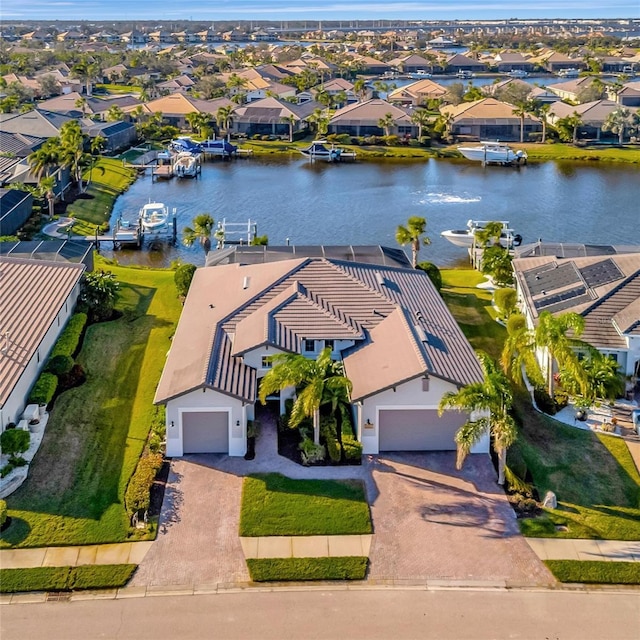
[389, 311]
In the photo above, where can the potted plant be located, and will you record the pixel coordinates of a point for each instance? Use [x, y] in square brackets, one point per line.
[582, 409]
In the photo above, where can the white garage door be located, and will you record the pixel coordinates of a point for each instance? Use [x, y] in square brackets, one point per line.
[205, 432]
[418, 429]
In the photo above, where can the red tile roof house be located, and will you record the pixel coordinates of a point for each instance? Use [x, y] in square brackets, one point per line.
[400, 346]
[38, 297]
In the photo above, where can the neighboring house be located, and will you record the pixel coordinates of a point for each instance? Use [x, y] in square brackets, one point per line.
[604, 289]
[489, 119]
[370, 66]
[337, 86]
[78, 105]
[417, 93]
[45, 293]
[363, 119]
[63, 251]
[553, 61]
[175, 108]
[400, 346]
[571, 89]
[15, 209]
[506, 61]
[16, 147]
[268, 117]
[412, 63]
[182, 83]
[592, 115]
[627, 96]
[459, 62]
[541, 94]
[117, 135]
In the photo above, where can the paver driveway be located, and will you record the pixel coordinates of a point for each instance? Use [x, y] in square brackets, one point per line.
[430, 521]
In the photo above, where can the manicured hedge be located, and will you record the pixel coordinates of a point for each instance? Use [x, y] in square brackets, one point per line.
[67, 343]
[106, 576]
[595, 571]
[44, 389]
[137, 496]
[60, 365]
[296, 569]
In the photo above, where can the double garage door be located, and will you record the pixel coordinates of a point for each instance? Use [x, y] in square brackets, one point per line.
[205, 432]
[418, 429]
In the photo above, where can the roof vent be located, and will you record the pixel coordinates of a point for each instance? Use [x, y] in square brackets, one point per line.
[380, 279]
[422, 336]
[419, 316]
[245, 282]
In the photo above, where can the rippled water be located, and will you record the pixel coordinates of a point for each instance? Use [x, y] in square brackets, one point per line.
[362, 203]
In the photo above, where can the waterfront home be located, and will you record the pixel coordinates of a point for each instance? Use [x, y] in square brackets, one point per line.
[499, 89]
[489, 119]
[363, 119]
[182, 83]
[412, 63]
[336, 87]
[417, 93]
[256, 86]
[506, 61]
[553, 61]
[45, 293]
[459, 62]
[627, 96]
[603, 287]
[400, 346]
[592, 116]
[370, 66]
[572, 89]
[78, 105]
[176, 106]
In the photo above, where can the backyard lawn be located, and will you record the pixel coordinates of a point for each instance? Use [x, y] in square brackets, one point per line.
[471, 307]
[96, 432]
[592, 475]
[108, 180]
[273, 505]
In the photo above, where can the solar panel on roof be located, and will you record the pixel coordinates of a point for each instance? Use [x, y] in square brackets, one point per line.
[601, 273]
[551, 277]
[556, 298]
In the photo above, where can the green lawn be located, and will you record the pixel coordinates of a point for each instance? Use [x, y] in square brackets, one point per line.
[595, 153]
[273, 505]
[299, 569]
[471, 307]
[108, 180]
[103, 576]
[593, 477]
[96, 432]
[594, 571]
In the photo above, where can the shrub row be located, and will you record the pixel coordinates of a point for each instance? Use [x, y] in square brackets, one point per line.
[290, 569]
[44, 389]
[67, 343]
[138, 493]
[106, 576]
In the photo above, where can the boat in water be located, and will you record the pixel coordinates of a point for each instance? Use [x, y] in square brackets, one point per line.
[185, 143]
[465, 75]
[154, 217]
[419, 74]
[318, 150]
[218, 147]
[494, 153]
[569, 73]
[518, 73]
[465, 237]
[186, 164]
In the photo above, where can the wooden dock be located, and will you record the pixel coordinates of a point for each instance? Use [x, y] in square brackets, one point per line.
[163, 172]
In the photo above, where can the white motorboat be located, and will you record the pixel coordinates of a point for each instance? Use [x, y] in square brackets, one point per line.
[465, 75]
[569, 73]
[318, 150]
[493, 153]
[465, 237]
[517, 73]
[219, 147]
[186, 164]
[419, 74]
[154, 217]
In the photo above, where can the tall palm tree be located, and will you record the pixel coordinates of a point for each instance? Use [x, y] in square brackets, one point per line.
[224, 118]
[45, 158]
[85, 70]
[200, 231]
[386, 123]
[321, 120]
[522, 110]
[291, 121]
[72, 153]
[235, 83]
[491, 397]
[551, 334]
[542, 111]
[413, 234]
[360, 88]
[422, 118]
[617, 122]
[115, 114]
[82, 104]
[317, 382]
[518, 354]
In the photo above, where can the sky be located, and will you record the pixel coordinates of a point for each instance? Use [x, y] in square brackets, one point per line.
[279, 10]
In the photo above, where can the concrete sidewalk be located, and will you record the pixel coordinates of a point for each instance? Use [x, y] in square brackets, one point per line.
[121, 553]
[575, 549]
[306, 546]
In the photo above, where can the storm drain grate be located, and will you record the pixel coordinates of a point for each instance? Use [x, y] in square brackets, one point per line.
[58, 596]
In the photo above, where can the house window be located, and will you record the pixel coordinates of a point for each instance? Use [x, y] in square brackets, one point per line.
[329, 344]
[310, 346]
[266, 362]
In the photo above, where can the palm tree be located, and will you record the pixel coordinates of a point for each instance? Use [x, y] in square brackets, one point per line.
[291, 121]
[201, 231]
[541, 110]
[320, 381]
[72, 153]
[617, 122]
[551, 334]
[224, 118]
[235, 83]
[46, 189]
[360, 88]
[522, 110]
[86, 71]
[422, 119]
[386, 123]
[413, 234]
[115, 114]
[81, 103]
[518, 354]
[192, 119]
[491, 397]
[45, 158]
[321, 119]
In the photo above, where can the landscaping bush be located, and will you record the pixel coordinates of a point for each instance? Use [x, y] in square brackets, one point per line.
[425, 141]
[137, 495]
[7, 469]
[392, 140]
[352, 448]
[285, 569]
[3, 513]
[106, 576]
[516, 322]
[67, 343]
[544, 401]
[14, 441]
[561, 399]
[505, 299]
[333, 449]
[60, 365]
[183, 276]
[310, 452]
[44, 389]
[433, 272]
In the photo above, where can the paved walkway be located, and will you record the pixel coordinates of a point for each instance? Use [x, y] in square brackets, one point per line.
[306, 546]
[575, 549]
[123, 553]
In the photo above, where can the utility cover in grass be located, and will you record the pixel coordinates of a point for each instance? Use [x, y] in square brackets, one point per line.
[273, 505]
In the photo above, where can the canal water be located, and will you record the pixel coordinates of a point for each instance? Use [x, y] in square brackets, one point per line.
[294, 200]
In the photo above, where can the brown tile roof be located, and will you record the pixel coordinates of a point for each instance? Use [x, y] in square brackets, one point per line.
[483, 109]
[370, 111]
[32, 293]
[231, 309]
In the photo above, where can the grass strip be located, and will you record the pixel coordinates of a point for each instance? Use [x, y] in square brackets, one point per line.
[304, 569]
[595, 571]
[105, 576]
[274, 505]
